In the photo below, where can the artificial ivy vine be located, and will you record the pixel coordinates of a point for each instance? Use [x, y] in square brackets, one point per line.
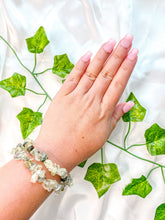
[101, 175]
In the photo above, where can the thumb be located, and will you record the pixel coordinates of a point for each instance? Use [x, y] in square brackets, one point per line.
[120, 110]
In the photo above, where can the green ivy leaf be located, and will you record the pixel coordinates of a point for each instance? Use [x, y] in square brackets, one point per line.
[140, 187]
[15, 85]
[62, 65]
[82, 164]
[160, 212]
[63, 80]
[155, 140]
[102, 176]
[38, 42]
[29, 120]
[137, 112]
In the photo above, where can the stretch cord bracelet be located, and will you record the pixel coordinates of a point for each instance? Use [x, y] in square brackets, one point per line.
[38, 175]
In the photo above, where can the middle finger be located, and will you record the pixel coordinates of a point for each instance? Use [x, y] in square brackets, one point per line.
[96, 66]
[111, 67]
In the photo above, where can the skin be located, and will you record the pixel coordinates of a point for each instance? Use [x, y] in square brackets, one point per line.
[77, 123]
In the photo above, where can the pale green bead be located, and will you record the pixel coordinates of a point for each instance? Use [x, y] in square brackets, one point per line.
[24, 156]
[53, 171]
[19, 155]
[40, 180]
[13, 150]
[34, 178]
[49, 184]
[46, 185]
[69, 181]
[28, 143]
[36, 168]
[62, 172]
[28, 163]
[43, 156]
[34, 152]
[19, 149]
[48, 163]
[32, 167]
[37, 156]
[41, 175]
[59, 188]
[20, 146]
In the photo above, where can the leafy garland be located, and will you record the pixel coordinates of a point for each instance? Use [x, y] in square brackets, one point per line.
[101, 175]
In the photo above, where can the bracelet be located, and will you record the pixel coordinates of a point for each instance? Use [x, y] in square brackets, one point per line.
[38, 175]
[52, 167]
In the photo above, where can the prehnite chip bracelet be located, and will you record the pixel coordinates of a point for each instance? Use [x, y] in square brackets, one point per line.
[21, 152]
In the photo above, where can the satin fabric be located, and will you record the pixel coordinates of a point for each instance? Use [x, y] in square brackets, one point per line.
[74, 27]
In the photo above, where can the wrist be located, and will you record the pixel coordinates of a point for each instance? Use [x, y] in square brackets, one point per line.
[56, 153]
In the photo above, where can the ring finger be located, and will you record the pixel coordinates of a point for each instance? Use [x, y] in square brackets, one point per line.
[111, 67]
[96, 66]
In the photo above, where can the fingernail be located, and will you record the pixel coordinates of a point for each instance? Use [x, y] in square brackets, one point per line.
[128, 106]
[109, 45]
[133, 54]
[87, 56]
[127, 41]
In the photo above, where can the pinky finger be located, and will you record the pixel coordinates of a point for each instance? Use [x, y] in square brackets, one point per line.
[119, 111]
[75, 75]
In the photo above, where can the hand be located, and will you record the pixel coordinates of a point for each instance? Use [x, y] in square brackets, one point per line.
[84, 112]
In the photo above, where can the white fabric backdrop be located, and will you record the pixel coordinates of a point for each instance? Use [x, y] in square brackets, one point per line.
[75, 27]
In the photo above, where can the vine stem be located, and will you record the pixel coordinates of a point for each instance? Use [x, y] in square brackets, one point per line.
[26, 67]
[102, 156]
[151, 171]
[42, 104]
[35, 92]
[125, 138]
[141, 158]
[42, 88]
[15, 54]
[135, 145]
[43, 71]
[35, 63]
[163, 174]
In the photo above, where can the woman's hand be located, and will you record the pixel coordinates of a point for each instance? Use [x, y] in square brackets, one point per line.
[84, 112]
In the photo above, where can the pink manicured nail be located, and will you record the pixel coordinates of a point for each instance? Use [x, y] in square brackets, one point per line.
[109, 45]
[87, 56]
[133, 54]
[128, 106]
[127, 41]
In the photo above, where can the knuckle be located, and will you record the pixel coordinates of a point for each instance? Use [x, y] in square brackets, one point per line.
[117, 56]
[106, 74]
[91, 75]
[99, 58]
[71, 79]
[119, 84]
[78, 69]
[125, 67]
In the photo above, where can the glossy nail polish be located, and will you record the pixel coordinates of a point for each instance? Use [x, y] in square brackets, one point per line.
[127, 41]
[109, 45]
[133, 54]
[87, 56]
[128, 106]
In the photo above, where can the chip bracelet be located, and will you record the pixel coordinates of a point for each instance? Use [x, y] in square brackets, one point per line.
[38, 175]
